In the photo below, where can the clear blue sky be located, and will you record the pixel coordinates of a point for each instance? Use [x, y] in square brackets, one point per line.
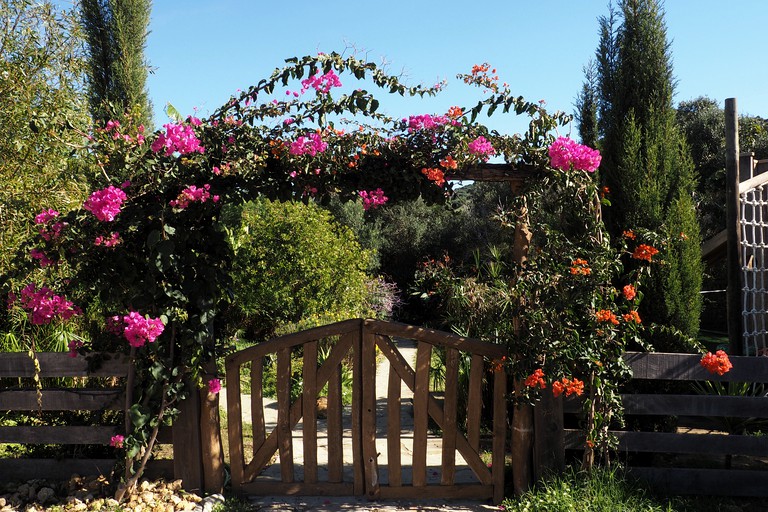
[202, 51]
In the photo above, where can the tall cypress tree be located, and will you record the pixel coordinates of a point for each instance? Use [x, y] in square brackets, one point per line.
[646, 164]
[116, 32]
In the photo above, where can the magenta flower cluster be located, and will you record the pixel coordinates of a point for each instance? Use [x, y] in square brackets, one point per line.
[321, 83]
[139, 330]
[105, 203]
[37, 254]
[117, 441]
[482, 148]
[52, 231]
[567, 154]
[311, 145]
[426, 122]
[44, 307]
[214, 386]
[178, 138]
[372, 198]
[108, 241]
[193, 194]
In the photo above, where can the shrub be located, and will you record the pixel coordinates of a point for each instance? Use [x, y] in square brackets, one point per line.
[293, 265]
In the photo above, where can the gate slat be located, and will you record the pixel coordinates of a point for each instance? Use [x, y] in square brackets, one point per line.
[421, 414]
[309, 407]
[369, 415]
[499, 433]
[394, 470]
[357, 406]
[335, 438]
[284, 423]
[475, 401]
[257, 403]
[235, 424]
[448, 470]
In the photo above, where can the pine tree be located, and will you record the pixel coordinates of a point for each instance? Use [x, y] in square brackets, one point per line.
[646, 164]
[116, 32]
[586, 107]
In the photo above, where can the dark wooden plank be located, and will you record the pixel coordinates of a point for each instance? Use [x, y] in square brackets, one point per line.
[188, 459]
[522, 444]
[335, 432]
[291, 340]
[62, 400]
[441, 492]
[53, 469]
[696, 405]
[394, 463]
[358, 462]
[548, 439]
[369, 415]
[686, 367]
[475, 401]
[284, 424]
[257, 403]
[450, 409]
[298, 489]
[59, 364]
[438, 338]
[669, 442]
[421, 414]
[235, 424]
[499, 433]
[210, 440]
[713, 482]
[309, 412]
[732, 225]
[408, 376]
[58, 434]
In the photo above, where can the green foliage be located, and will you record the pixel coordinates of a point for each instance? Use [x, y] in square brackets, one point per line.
[40, 43]
[293, 263]
[116, 33]
[646, 165]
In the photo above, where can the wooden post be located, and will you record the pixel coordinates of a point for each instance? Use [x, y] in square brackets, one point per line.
[732, 215]
[212, 450]
[548, 436]
[187, 446]
[746, 165]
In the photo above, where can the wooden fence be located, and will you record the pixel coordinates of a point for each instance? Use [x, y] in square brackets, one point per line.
[695, 457]
[21, 395]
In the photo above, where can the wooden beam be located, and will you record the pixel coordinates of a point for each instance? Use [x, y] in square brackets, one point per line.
[732, 215]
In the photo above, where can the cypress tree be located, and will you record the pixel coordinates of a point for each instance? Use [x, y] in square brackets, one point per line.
[116, 33]
[646, 164]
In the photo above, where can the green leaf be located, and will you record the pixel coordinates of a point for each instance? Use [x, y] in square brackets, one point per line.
[173, 114]
[139, 415]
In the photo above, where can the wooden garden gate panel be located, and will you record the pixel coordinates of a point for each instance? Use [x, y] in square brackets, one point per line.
[357, 342]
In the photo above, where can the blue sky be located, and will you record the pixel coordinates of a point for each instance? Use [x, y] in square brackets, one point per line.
[202, 51]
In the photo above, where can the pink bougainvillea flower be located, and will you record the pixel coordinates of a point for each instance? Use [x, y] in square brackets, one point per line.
[139, 330]
[214, 386]
[73, 346]
[311, 145]
[45, 216]
[108, 241]
[567, 154]
[117, 441]
[481, 148]
[426, 122]
[372, 198]
[44, 307]
[105, 204]
[178, 138]
[321, 83]
[43, 259]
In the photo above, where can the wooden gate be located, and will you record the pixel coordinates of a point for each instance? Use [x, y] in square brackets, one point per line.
[355, 343]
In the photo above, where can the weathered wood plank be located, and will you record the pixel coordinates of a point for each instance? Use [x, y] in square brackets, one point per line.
[62, 400]
[732, 225]
[291, 340]
[29, 469]
[450, 409]
[499, 433]
[421, 414]
[257, 403]
[58, 435]
[335, 432]
[686, 405]
[715, 482]
[549, 443]
[437, 338]
[210, 441]
[59, 364]
[370, 455]
[188, 462]
[670, 442]
[235, 424]
[394, 463]
[358, 462]
[309, 412]
[475, 401]
[284, 424]
[686, 367]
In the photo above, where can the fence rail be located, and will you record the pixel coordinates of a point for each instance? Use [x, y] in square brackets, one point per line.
[683, 447]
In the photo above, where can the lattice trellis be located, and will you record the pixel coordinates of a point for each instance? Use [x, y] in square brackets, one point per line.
[754, 249]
